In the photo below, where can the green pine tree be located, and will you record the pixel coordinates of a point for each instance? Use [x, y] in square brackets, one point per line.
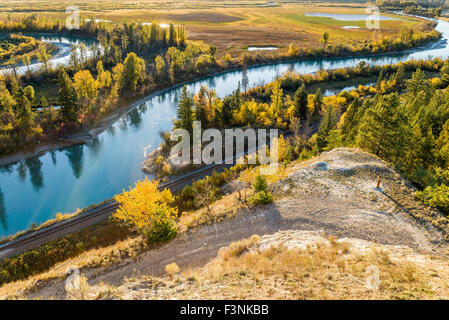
[326, 126]
[317, 102]
[300, 103]
[349, 118]
[384, 130]
[379, 81]
[185, 110]
[25, 117]
[67, 97]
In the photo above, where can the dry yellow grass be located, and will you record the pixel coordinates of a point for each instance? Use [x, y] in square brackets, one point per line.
[101, 257]
[329, 269]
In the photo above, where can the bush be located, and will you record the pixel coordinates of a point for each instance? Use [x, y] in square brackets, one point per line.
[161, 231]
[172, 269]
[261, 197]
[288, 158]
[260, 184]
[218, 179]
[437, 197]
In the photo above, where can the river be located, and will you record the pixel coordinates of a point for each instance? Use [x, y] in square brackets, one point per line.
[34, 190]
[65, 44]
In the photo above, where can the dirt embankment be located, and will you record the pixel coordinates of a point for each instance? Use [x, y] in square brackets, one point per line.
[334, 194]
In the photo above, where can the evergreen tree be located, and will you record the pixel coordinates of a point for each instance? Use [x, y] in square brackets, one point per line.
[47, 113]
[348, 120]
[420, 153]
[417, 83]
[226, 111]
[160, 67]
[67, 97]
[164, 38]
[185, 110]
[445, 73]
[333, 140]
[384, 130]
[326, 126]
[200, 108]
[276, 99]
[172, 35]
[300, 103]
[325, 39]
[212, 52]
[25, 117]
[379, 81]
[236, 98]
[442, 144]
[317, 102]
[399, 75]
[153, 35]
[43, 57]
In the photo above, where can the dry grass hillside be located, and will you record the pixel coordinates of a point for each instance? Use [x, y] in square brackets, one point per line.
[327, 225]
[296, 265]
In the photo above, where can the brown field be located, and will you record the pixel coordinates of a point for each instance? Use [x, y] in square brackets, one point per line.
[205, 16]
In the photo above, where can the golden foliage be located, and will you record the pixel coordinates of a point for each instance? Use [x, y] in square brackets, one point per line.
[145, 205]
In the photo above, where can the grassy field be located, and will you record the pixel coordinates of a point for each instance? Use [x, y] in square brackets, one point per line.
[231, 26]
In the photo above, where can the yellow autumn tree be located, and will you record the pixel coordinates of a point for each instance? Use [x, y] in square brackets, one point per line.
[282, 147]
[247, 177]
[85, 87]
[149, 211]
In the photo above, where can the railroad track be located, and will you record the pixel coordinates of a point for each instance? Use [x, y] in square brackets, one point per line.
[102, 212]
[92, 216]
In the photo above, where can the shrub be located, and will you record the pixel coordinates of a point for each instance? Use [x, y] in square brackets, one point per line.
[289, 153]
[261, 197]
[172, 269]
[162, 229]
[185, 200]
[42, 258]
[218, 179]
[260, 184]
[436, 196]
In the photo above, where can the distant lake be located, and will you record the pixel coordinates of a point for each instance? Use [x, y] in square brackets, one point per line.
[347, 17]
